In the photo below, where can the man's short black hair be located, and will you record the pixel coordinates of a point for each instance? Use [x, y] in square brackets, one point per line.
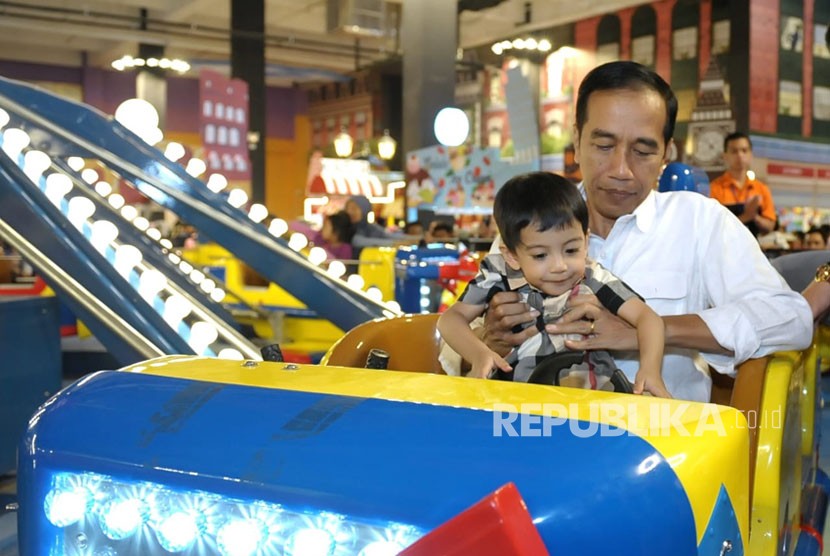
[624, 74]
[540, 198]
[734, 136]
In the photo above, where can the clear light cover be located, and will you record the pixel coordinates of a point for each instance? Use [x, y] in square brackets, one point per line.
[217, 182]
[297, 241]
[35, 163]
[195, 167]
[317, 255]
[116, 201]
[103, 188]
[277, 227]
[174, 151]
[57, 186]
[76, 163]
[148, 518]
[258, 212]
[79, 210]
[336, 269]
[237, 198]
[90, 175]
[356, 281]
[14, 141]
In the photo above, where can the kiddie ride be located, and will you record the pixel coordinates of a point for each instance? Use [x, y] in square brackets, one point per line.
[194, 455]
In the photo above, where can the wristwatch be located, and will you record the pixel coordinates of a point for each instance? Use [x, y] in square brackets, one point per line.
[823, 273]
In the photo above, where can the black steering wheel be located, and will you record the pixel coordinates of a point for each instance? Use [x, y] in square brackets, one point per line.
[548, 370]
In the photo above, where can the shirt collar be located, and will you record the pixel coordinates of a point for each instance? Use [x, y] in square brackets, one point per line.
[644, 214]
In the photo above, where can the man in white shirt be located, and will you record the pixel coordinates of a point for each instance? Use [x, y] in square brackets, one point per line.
[692, 261]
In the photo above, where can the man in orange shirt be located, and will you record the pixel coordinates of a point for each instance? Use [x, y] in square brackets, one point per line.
[738, 189]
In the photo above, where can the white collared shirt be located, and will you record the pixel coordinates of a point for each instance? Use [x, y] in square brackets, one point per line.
[686, 254]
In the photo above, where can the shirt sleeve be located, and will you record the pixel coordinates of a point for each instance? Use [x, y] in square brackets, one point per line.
[610, 290]
[753, 312]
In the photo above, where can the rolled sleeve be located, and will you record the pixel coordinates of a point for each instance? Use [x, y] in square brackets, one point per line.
[756, 326]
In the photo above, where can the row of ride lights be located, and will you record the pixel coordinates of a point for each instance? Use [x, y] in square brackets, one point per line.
[278, 227]
[103, 233]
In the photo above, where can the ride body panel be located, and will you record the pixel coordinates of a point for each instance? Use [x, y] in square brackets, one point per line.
[287, 424]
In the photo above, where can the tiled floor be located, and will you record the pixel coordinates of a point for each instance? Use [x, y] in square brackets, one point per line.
[8, 521]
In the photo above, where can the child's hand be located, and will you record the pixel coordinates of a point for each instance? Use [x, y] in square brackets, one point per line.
[650, 382]
[485, 362]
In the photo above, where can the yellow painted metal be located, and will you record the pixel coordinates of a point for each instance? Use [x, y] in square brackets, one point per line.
[776, 493]
[377, 268]
[295, 333]
[707, 445]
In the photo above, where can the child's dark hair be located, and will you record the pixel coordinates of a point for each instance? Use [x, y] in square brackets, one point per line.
[342, 226]
[541, 198]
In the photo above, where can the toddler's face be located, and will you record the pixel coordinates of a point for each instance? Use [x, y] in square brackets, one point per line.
[552, 261]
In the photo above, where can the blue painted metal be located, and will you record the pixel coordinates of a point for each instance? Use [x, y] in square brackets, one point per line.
[722, 526]
[366, 458]
[26, 208]
[415, 268]
[31, 369]
[72, 128]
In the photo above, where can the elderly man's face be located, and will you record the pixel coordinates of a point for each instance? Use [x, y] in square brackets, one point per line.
[620, 151]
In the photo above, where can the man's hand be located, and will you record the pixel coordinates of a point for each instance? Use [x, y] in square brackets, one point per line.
[752, 208]
[506, 310]
[601, 328]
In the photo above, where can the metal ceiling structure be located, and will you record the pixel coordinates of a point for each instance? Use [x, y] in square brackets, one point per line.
[95, 32]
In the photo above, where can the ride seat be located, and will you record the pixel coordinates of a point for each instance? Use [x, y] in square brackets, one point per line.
[412, 342]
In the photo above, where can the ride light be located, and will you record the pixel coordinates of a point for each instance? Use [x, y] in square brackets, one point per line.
[176, 308]
[375, 294]
[126, 258]
[150, 283]
[79, 210]
[76, 163]
[230, 353]
[217, 294]
[116, 201]
[174, 151]
[297, 241]
[195, 167]
[202, 334]
[57, 187]
[129, 212]
[103, 188]
[153, 233]
[217, 182]
[35, 163]
[14, 141]
[148, 518]
[257, 212]
[237, 198]
[141, 223]
[356, 281]
[103, 234]
[277, 227]
[336, 269]
[90, 175]
[207, 285]
[317, 255]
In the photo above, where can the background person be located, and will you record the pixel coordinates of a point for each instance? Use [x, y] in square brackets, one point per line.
[750, 199]
[690, 259]
[814, 239]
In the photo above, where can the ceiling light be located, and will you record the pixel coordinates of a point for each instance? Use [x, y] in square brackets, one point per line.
[128, 62]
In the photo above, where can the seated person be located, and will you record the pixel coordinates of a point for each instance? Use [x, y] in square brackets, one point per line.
[815, 239]
[440, 231]
[543, 222]
[368, 233]
[336, 235]
[414, 228]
